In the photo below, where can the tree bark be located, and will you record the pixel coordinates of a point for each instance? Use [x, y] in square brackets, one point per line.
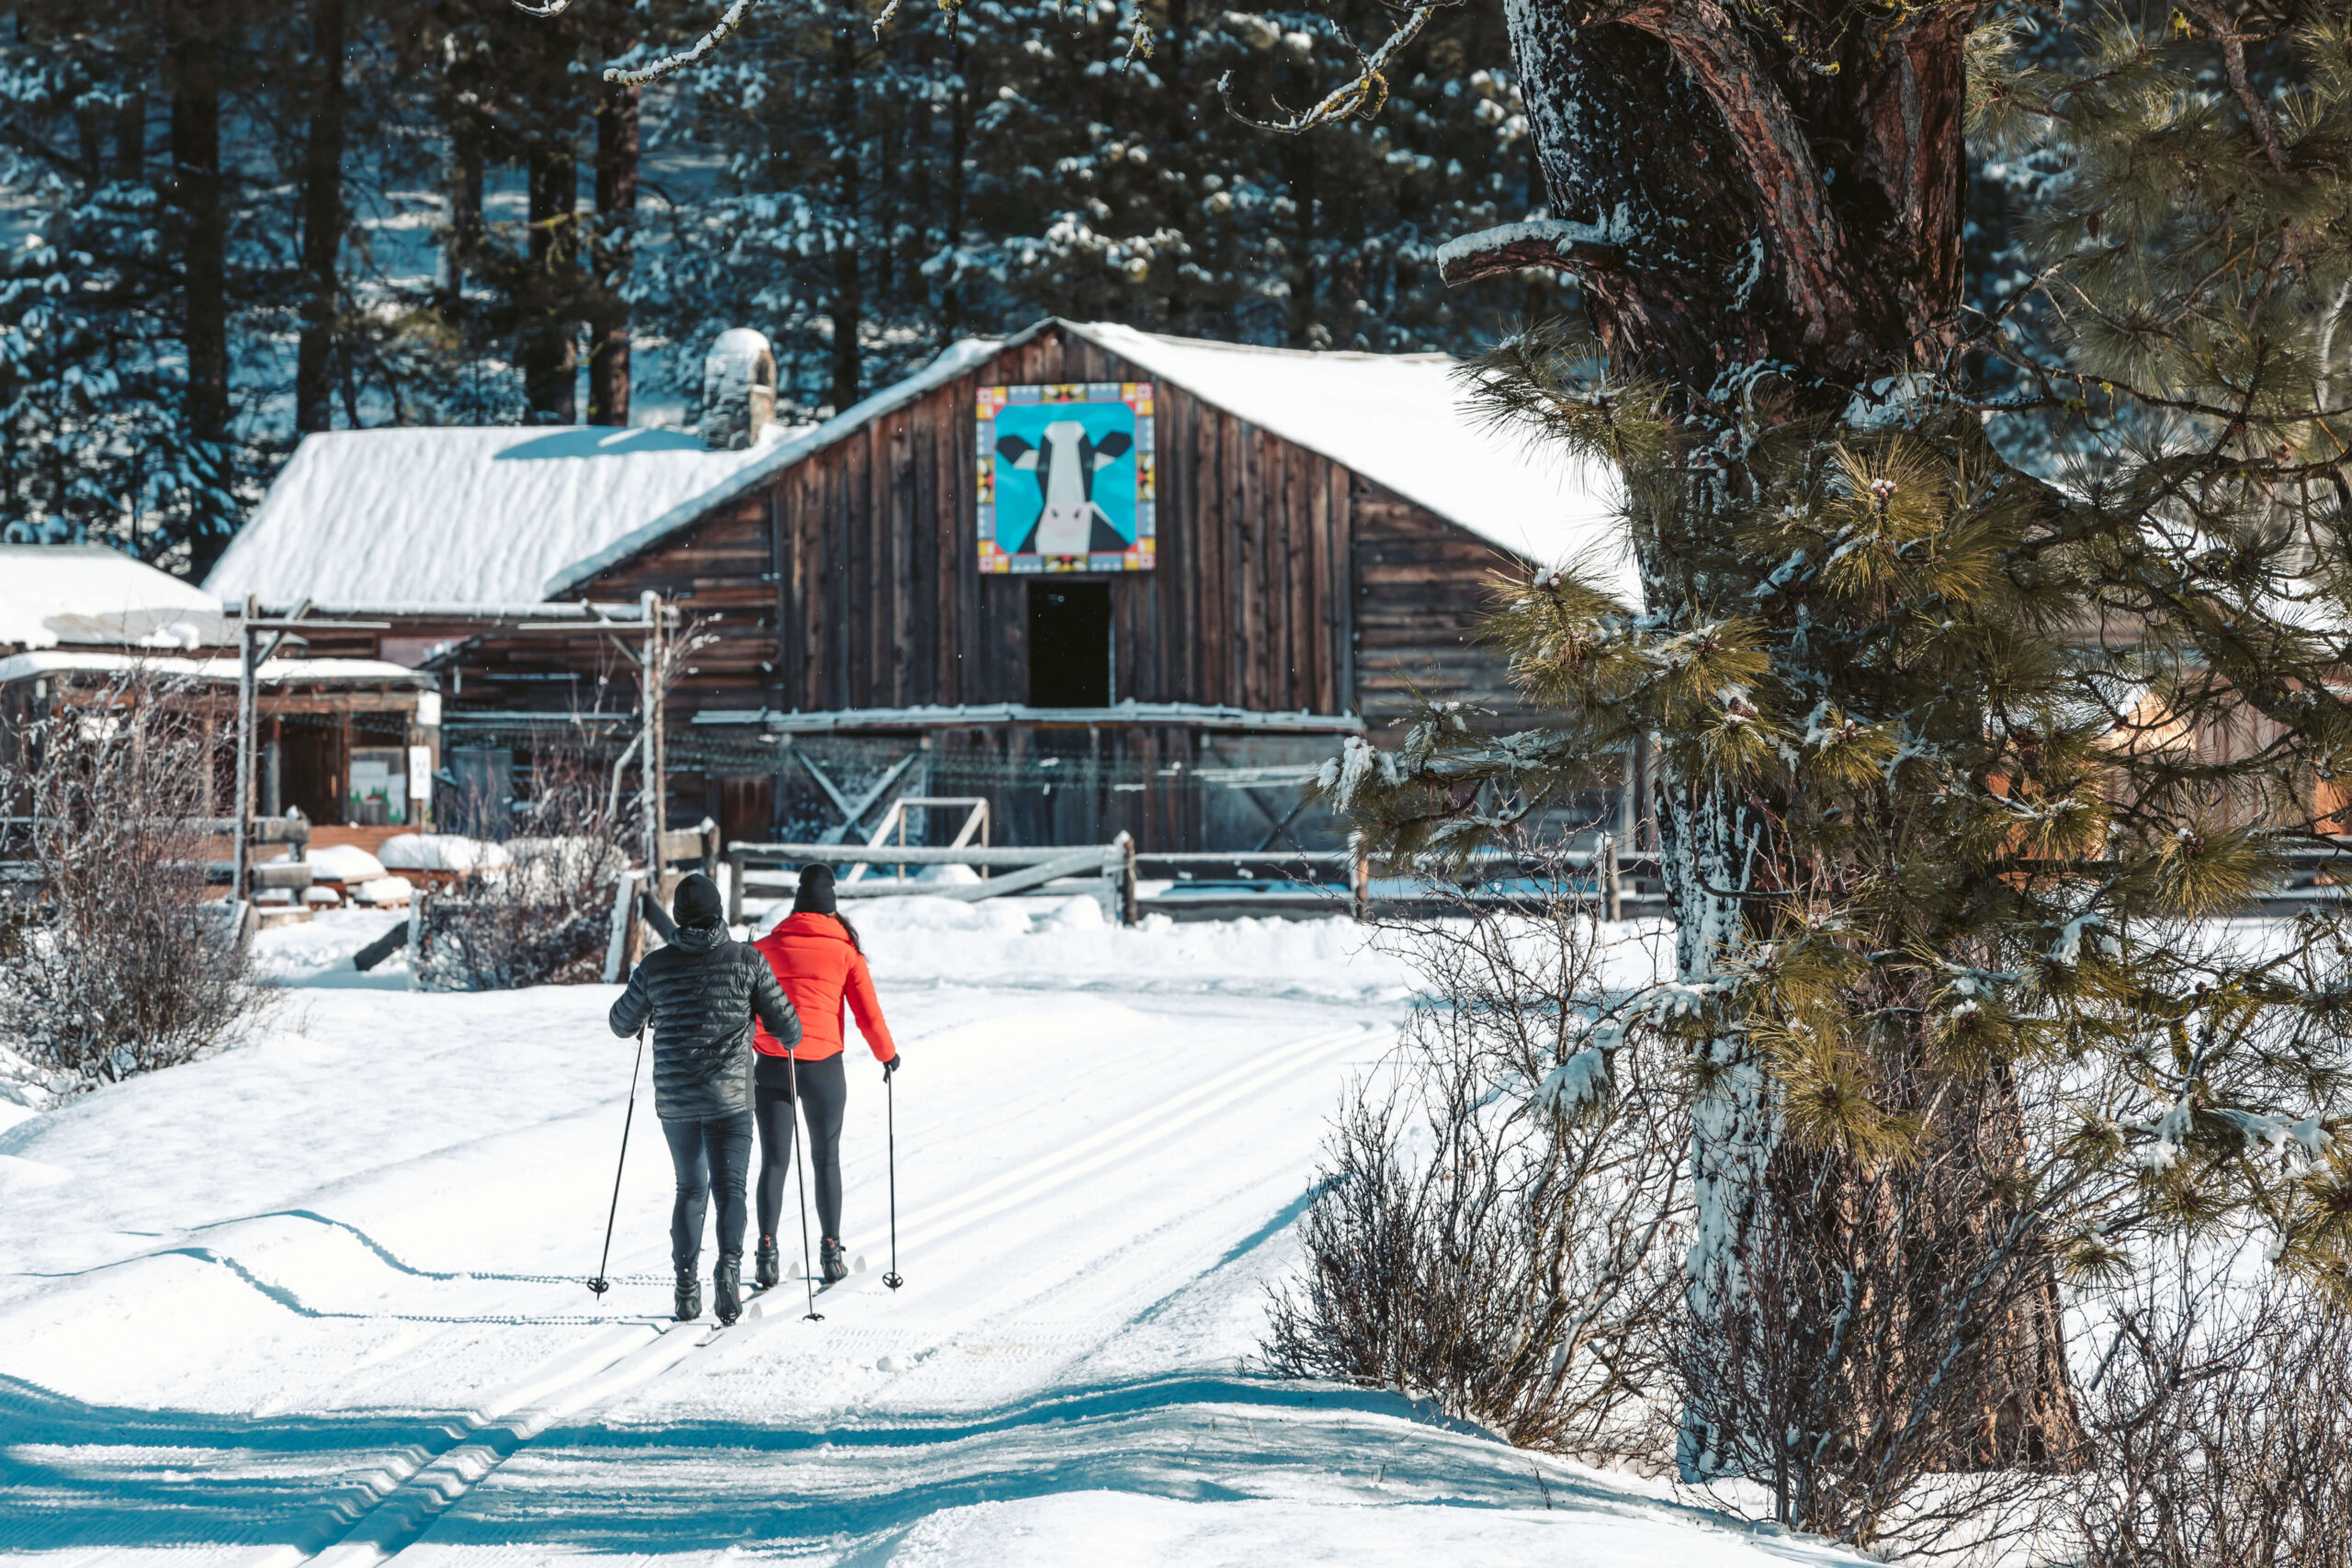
[322, 223]
[849, 290]
[550, 340]
[194, 67]
[468, 178]
[612, 256]
[130, 139]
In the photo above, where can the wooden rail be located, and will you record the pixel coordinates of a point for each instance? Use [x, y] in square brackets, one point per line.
[1112, 865]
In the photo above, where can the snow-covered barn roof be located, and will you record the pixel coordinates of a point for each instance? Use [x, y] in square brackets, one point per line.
[1399, 420]
[88, 595]
[515, 516]
[1396, 418]
[460, 516]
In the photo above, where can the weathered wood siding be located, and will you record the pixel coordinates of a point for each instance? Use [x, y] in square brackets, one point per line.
[1283, 581]
[1422, 585]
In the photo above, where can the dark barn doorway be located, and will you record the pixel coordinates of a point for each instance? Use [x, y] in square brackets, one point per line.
[1069, 645]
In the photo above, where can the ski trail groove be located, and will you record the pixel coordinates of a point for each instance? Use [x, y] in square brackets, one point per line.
[403, 1502]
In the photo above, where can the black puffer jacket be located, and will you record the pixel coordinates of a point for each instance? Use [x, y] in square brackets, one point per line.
[701, 993]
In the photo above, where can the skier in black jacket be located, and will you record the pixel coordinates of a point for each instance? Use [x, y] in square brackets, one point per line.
[701, 993]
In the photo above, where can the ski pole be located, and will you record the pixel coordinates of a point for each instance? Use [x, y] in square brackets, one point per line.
[890, 1115]
[600, 1284]
[800, 1169]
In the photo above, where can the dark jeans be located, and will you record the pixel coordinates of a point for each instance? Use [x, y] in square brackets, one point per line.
[708, 1156]
[824, 1093]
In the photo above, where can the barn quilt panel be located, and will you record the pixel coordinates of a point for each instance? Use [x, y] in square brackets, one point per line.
[1066, 479]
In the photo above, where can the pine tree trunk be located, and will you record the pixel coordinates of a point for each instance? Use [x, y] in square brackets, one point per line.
[322, 224]
[552, 341]
[848, 309]
[1758, 230]
[193, 66]
[613, 254]
[130, 139]
[468, 177]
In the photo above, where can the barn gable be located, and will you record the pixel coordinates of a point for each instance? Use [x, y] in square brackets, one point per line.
[838, 572]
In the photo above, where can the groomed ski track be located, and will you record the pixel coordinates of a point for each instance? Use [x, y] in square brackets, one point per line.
[319, 1301]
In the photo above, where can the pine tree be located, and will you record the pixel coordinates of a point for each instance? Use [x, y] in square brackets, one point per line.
[1994, 653]
[117, 305]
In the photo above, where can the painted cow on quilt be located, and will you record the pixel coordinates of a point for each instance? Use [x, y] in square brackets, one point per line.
[1069, 524]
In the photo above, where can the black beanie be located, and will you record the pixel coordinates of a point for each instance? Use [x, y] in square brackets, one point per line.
[815, 894]
[697, 902]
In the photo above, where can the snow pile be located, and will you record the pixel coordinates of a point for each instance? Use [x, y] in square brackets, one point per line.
[342, 863]
[384, 891]
[438, 852]
[319, 953]
[458, 515]
[1066, 943]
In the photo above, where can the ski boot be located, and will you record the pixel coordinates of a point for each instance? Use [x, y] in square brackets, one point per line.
[689, 1303]
[728, 1278]
[766, 1269]
[835, 1268]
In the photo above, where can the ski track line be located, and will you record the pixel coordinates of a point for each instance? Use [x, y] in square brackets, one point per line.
[408, 1499]
[1030, 1175]
[1153, 1127]
[1099, 1147]
[408, 1495]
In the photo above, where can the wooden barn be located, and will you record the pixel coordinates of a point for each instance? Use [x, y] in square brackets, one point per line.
[1102, 578]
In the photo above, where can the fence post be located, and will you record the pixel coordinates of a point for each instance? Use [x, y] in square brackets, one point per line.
[1613, 883]
[734, 886]
[1360, 880]
[416, 903]
[1129, 912]
[1112, 893]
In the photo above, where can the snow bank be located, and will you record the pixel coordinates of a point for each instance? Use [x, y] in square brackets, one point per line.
[1071, 1530]
[384, 891]
[1065, 942]
[341, 863]
[438, 852]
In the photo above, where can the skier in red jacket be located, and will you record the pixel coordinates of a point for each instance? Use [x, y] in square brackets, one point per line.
[818, 961]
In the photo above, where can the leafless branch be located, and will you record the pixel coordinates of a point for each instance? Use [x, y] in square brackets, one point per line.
[694, 54]
[1364, 93]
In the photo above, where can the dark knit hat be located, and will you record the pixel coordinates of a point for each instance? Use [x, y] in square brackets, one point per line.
[816, 894]
[697, 902]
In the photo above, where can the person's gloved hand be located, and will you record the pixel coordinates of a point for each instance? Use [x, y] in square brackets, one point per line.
[890, 1067]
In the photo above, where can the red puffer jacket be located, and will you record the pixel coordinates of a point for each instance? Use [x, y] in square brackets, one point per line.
[819, 968]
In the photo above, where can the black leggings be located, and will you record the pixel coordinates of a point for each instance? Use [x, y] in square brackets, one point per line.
[825, 1086]
[707, 1156]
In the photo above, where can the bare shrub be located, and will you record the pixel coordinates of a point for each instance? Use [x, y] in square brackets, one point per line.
[115, 958]
[2218, 1428]
[544, 916]
[1497, 1228]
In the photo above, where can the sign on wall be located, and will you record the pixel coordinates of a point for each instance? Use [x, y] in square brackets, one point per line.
[1066, 473]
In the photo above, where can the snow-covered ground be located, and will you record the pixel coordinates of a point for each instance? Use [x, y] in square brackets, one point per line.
[319, 1297]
